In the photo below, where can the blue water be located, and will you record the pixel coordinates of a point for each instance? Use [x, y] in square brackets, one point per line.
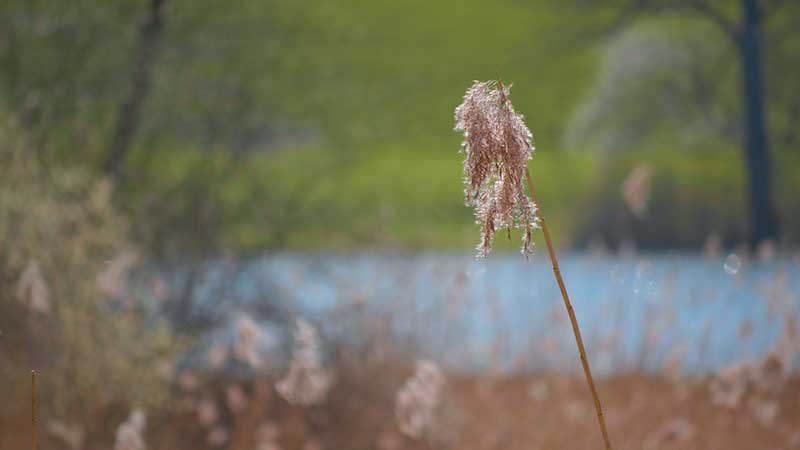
[637, 312]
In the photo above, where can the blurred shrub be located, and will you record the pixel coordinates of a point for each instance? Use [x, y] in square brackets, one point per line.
[59, 270]
[687, 201]
[191, 203]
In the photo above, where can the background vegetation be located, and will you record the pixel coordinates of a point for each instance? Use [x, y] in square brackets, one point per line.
[278, 125]
[150, 148]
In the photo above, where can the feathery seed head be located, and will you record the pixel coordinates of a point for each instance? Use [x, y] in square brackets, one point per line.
[307, 381]
[416, 401]
[497, 146]
[129, 433]
[32, 289]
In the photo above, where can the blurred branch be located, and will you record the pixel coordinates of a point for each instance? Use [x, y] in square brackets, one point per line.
[128, 122]
[791, 137]
[632, 9]
[628, 13]
[728, 26]
[784, 29]
[769, 9]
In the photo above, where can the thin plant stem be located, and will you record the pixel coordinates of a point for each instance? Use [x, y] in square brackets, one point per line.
[33, 410]
[575, 329]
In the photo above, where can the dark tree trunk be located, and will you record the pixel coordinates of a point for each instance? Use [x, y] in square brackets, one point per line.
[129, 114]
[763, 221]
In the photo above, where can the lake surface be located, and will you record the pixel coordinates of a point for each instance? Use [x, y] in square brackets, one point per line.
[684, 311]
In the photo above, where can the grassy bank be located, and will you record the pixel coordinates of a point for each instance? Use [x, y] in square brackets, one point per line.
[408, 195]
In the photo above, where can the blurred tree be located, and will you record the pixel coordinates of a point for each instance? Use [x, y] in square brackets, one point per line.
[62, 306]
[659, 84]
[747, 37]
[697, 78]
[77, 73]
[108, 84]
[129, 116]
[60, 67]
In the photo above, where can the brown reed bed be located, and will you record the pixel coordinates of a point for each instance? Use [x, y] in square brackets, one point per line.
[480, 412]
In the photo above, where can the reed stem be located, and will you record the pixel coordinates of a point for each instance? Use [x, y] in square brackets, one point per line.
[575, 329]
[33, 410]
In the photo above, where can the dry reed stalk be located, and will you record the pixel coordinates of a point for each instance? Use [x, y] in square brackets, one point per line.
[497, 147]
[33, 410]
[247, 420]
[573, 320]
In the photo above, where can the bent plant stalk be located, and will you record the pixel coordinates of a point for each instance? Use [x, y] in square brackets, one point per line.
[573, 320]
[498, 145]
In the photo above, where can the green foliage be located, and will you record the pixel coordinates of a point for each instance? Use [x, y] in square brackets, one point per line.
[659, 88]
[691, 199]
[675, 83]
[63, 66]
[90, 352]
[404, 195]
[278, 123]
[242, 72]
[274, 125]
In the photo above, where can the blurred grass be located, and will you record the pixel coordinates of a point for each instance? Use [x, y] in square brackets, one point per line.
[409, 195]
[374, 85]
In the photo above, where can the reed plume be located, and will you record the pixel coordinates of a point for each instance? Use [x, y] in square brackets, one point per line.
[307, 381]
[130, 432]
[497, 145]
[416, 401]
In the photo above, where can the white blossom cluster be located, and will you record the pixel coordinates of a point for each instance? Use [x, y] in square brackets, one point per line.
[416, 401]
[307, 381]
[129, 433]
